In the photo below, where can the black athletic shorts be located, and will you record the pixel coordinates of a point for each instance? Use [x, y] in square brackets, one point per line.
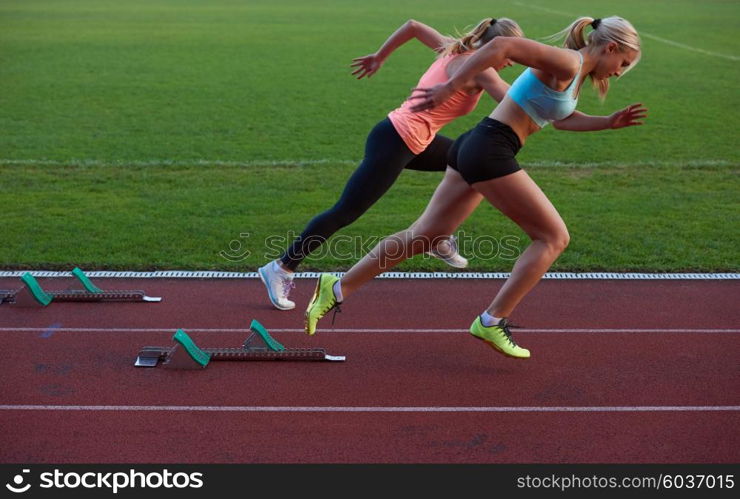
[487, 151]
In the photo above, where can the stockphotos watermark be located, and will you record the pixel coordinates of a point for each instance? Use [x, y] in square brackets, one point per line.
[113, 481]
[18, 484]
[348, 248]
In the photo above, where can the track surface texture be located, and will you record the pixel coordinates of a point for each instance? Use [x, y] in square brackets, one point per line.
[622, 371]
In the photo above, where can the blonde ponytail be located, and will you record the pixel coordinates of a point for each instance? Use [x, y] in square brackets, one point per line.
[576, 38]
[485, 31]
[610, 29]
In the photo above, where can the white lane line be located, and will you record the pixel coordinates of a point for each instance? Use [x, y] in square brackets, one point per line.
[363, 330]
[689, 47]
[336, 161]
[400, 409]
[211, 274]
[182, 162]
[642, 33]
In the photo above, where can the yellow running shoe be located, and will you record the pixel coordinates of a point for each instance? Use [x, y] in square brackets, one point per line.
[499, 337]
[322, 301]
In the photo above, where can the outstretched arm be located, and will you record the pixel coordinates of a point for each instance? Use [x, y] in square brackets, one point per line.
[561, 63]
[371, 63]
[581, 122]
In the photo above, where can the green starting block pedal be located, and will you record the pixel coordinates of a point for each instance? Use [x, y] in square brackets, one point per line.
[86, 282]
[32, 294]
[262, 333]
[185, 354]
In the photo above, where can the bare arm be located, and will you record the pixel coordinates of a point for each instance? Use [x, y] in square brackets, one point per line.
[581, 122]
[371, 63]
[561, 63]
[413, 29]
[490, 81]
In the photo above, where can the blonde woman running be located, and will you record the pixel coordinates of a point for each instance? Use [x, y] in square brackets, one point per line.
[403, 140]
[482, 163]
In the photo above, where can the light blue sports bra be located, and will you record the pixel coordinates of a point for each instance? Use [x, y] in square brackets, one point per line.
[541, 103]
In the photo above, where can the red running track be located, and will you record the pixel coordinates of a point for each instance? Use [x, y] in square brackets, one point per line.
[401, 397]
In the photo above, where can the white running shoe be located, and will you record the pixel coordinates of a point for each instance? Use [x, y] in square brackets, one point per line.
[278, 284]
[449, 254]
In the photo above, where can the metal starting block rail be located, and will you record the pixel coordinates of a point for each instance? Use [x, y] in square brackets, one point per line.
[185, 354]
[32, 294]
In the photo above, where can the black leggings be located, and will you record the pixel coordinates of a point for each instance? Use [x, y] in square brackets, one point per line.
[386, 155]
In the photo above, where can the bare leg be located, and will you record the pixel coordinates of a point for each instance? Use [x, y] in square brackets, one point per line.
[518, 197]
[452, 202]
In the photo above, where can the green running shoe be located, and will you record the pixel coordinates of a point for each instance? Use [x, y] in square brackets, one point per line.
[323, 301]
[499, 337]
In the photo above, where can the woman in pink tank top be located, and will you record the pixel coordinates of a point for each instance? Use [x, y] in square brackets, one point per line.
[403, 139]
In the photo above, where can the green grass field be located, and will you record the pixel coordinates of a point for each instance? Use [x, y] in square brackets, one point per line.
[151, 134]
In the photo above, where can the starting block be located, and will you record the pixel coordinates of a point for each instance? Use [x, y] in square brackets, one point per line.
[32, 294]
[185, 354]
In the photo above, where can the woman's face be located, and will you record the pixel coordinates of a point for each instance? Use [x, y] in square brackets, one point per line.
[613, 60]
